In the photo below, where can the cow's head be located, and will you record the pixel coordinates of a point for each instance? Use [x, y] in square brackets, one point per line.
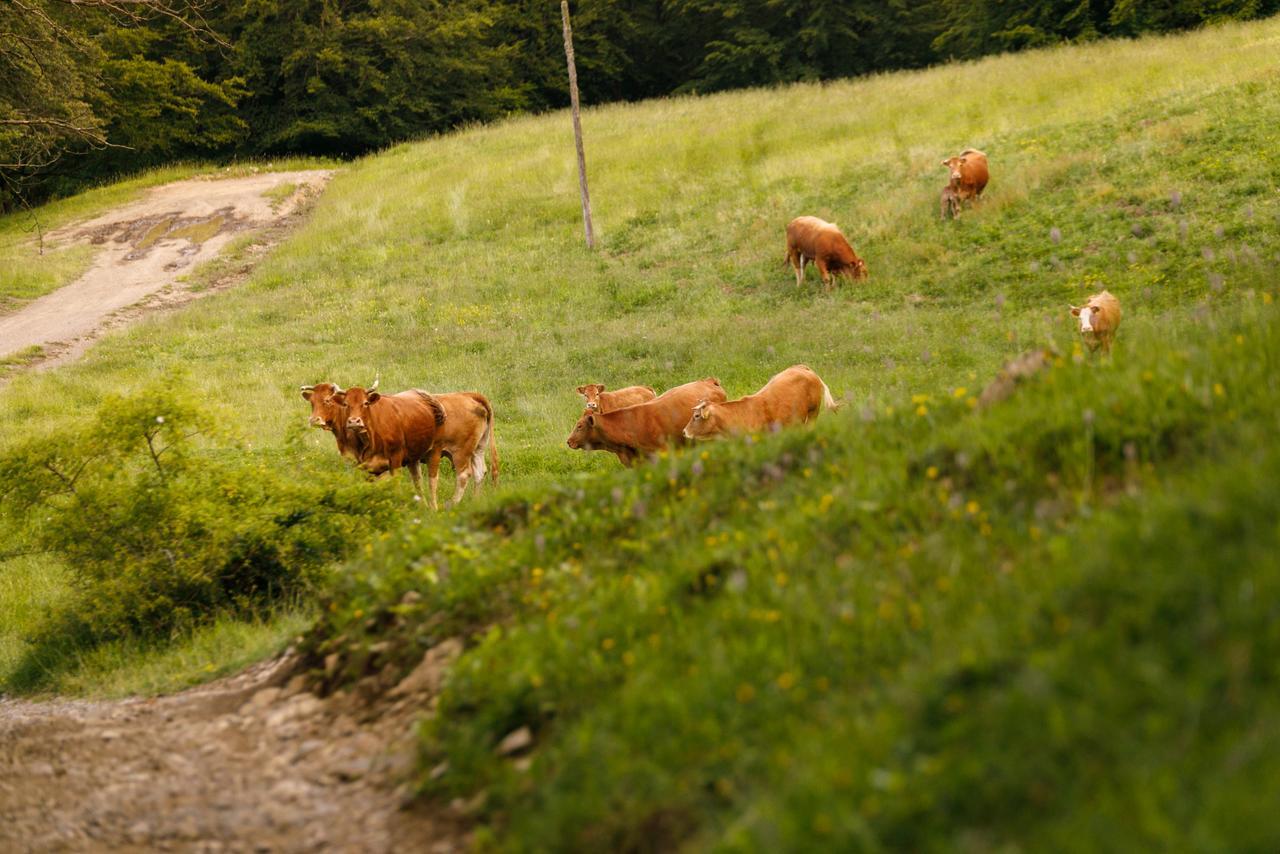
[953, 165]
[705, 422]
[326, 412]
[859, 268]
[1086, 315]
[583, 432]
[358, 401]
[591, 391]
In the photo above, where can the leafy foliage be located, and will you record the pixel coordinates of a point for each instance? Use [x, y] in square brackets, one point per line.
[163, 532]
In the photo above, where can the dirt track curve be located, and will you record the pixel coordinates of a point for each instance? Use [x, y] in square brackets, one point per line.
[146, 246]
[251, 763]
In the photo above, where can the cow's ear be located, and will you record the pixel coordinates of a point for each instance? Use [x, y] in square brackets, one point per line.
[373, 397]
[1075, 311]
[582, 389]
[946, 163]
[307, 391]
[591, 421]
[964, 160]
[339, 397]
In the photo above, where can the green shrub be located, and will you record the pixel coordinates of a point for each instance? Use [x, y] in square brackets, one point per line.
[166, 521]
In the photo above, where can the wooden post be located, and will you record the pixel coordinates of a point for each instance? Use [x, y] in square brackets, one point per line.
[577, 125]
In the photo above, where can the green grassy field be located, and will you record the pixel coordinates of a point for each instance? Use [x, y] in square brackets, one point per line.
[1046, 625]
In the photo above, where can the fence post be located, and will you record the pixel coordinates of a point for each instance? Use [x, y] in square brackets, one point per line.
[577, 125]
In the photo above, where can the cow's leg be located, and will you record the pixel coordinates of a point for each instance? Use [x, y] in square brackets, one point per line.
[824, 273]
[415, 472]
[460, 488]
[433, 473]
[796, 260]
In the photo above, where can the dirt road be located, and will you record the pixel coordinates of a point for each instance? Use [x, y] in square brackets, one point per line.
[146, 246]
[251, 763]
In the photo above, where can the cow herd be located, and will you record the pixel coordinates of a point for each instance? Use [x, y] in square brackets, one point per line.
[810, 239]
[696, 410]
[385, 432]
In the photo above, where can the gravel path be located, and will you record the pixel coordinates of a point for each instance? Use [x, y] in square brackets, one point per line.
[146, 245]
[249, 763]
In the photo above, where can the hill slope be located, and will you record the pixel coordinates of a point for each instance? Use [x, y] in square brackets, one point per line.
[920, 625]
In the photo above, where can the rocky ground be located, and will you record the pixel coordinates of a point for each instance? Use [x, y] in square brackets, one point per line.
[253, 762]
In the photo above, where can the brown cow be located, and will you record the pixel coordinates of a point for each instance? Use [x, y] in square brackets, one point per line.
[399, 429]
[599, 400]
[794, 396]
[1099, 317]
[328, 414]
[819, 241]
[465, 436]
[643, 428]
[969, 177]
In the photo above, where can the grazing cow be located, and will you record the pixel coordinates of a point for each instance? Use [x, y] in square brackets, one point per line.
[643, 428]
[398, 429]
[969, 177]
[1099, 317]
[465, 436]
[599, 400]
[794, 396]
[819, 241]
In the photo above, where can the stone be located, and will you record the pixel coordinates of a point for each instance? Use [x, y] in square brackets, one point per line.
[515, 741]
[260, 700]
[429, 675]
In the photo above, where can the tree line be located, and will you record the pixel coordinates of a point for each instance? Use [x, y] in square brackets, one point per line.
[126, 84]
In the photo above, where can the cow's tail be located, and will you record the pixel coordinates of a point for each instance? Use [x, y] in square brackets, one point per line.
[828, 401]
[488, 444]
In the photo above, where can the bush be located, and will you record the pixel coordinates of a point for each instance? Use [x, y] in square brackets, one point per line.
[166, 521]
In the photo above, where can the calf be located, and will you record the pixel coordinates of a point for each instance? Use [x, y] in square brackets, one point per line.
[969, 176]
[643, 428]
[1099, 317]
[399, 429]
[464, 437]
[794, 396]
[949, 202]
[819, 241]
[599, 400]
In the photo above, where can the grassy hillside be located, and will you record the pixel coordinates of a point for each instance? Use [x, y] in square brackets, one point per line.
[920, 625]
